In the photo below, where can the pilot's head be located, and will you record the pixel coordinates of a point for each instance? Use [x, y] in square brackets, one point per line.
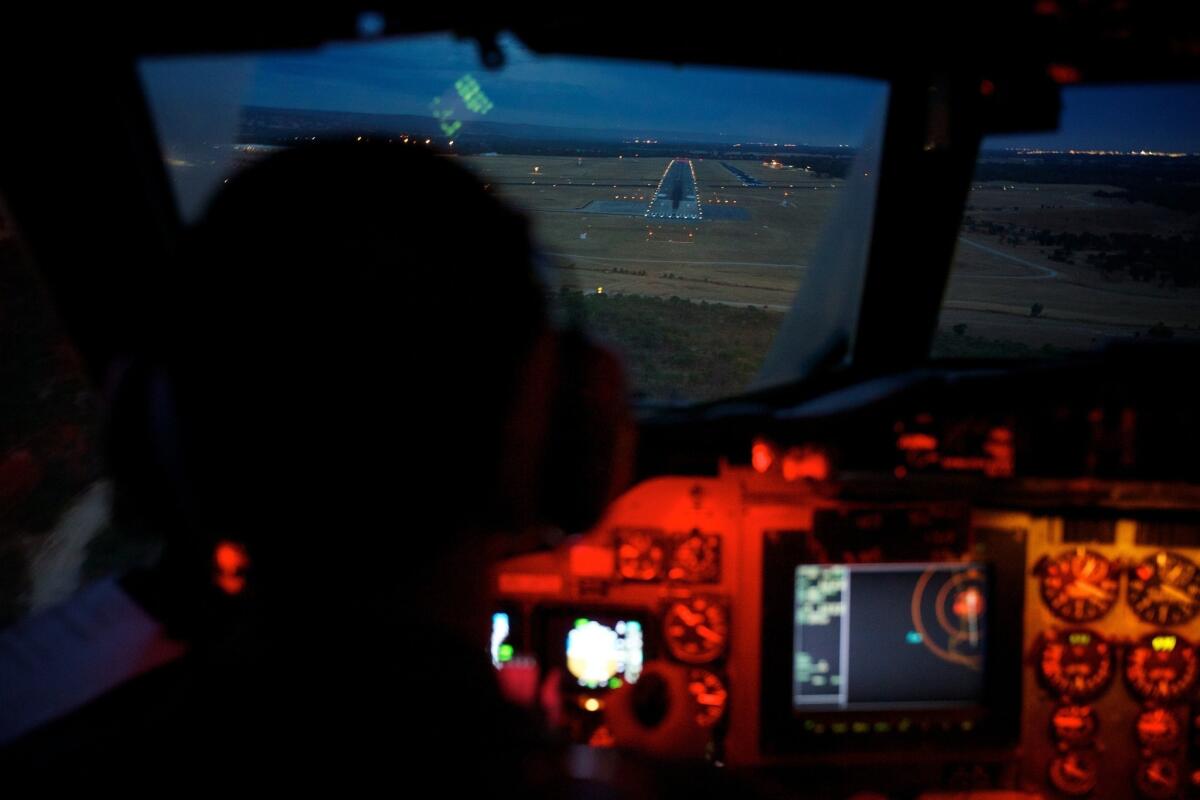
[355, 373]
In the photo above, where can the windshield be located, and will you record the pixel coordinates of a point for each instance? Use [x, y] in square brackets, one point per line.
[1084, 236]
[678, 209]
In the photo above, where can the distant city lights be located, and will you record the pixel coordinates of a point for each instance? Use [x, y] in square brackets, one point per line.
[1027, 151]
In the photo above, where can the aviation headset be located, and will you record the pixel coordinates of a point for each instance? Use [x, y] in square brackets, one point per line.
[566, 444]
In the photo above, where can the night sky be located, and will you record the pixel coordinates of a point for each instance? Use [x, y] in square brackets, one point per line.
[631, 99]
[1157, 117]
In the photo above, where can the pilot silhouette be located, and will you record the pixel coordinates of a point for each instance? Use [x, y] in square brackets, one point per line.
[352, 405]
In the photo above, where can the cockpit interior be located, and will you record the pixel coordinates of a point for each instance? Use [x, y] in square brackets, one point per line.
[909, 303]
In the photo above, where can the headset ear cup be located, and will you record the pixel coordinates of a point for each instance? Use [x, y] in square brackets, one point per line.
[589, 458]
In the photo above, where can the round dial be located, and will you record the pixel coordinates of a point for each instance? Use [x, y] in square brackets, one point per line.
[1158, 779]
[1079, 585]
[710, 694]
[1162, 667]
[696, 558]
[640, 555]
[1075, 773]
[1076, 664]
[696, 629]
[1157, 730]
[1165, 589]
[1074, 723]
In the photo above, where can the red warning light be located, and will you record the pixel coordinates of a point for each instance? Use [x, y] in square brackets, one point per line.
[803, 463]
[762, 456]
[1001, 454]
[1063, 73]
[230, 561]
[987, 88]
[917, 441]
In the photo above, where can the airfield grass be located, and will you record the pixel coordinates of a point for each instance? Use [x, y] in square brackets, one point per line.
[763, 259]
[1081, 307]
[676, 350]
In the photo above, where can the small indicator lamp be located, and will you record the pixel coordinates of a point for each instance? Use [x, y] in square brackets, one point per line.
[1163, 644]
[591, 704]
[1063, 73]
[917, 442]
[805, 463]
[762, 456]
[230, 563]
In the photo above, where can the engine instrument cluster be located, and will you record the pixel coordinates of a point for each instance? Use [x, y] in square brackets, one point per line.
[1111, 628]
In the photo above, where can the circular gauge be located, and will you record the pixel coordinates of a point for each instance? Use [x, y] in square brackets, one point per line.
[696, 629]
[1076, 773]
[1157, 730]
[1158, 779]
[1076, 664]
[640, 555]
[1079, 585]
[1074, 724]
[1165, 589]
[697, 558]
[710, 694]
[1162, 667]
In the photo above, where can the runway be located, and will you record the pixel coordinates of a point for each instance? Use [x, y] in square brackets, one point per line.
[675, 198]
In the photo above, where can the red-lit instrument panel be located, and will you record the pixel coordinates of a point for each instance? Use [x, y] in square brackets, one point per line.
[1107, 600]
[1106, 624]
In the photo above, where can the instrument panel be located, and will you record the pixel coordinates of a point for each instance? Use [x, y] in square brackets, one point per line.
[1028, 647]
[1110, 621]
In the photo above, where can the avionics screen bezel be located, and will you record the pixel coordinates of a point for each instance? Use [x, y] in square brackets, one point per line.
[992, 722]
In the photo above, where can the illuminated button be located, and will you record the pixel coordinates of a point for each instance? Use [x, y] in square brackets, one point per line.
[762, 456]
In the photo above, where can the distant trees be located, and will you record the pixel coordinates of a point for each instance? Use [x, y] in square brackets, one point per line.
[1169, 260]
[1167, 182]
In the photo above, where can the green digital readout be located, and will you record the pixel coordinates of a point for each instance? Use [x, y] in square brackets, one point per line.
[472, 94]
[467, 96]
